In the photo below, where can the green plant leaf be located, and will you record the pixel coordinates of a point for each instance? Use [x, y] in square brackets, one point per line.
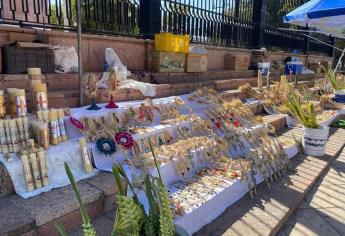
[87, 226]
[61, 229]
[118, 182]
[155, 160]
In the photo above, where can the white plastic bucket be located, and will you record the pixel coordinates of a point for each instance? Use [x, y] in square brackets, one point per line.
[314, 140]
[339, 92]
[264, 67]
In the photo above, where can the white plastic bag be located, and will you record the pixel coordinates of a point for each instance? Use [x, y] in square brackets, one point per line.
[114, 63]
[65, 59]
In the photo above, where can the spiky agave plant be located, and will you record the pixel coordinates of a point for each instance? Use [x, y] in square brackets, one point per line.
[88, 229]
[306, 116]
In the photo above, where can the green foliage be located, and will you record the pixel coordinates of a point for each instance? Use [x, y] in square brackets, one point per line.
[331, 75]
[131, 219]
[130, 216]
[152, 221]
[306, 116]
[87, 227]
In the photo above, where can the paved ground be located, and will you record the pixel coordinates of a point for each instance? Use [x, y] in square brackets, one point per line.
[323, 210]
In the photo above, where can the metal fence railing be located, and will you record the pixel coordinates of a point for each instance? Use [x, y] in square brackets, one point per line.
[235, 23]
[208, 21]
[98, 16]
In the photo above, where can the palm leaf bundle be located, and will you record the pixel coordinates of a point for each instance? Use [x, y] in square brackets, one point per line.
[87, 227]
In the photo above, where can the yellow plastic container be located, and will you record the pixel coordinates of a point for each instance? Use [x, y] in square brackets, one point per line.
[167, 42]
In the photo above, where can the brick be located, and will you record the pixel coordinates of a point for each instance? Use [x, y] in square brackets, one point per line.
[174, 78]
[120, 95]
[72, 102]
[103, 226]
[160, 78]
[163, 90]
[103, 181]
[278, 121]
[256, 108]
[62, 81]
[204, 77]
[134, 94]
[70, 220]
[222, 85]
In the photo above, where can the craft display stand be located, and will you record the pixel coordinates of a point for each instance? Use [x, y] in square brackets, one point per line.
[69, 151]
[192, 221]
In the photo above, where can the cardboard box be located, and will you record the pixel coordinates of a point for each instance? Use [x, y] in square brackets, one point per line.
[196, 62]
[315, 66]
[236, 62]
[167, 62]
[259, 56]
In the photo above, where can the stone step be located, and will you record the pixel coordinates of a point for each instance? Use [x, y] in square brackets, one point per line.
[278, 121]
[14, 220]
[230, 94]
[63, 89]
[71, 80]
[270, 209]
[38, 215]
[173, 78]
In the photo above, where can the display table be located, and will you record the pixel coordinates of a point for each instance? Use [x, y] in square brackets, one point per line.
[194, 220]
[56, 156]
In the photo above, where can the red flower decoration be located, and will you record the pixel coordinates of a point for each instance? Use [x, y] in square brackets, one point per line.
[76, 123]
[236, 123]
[125, 139]
[217, 124]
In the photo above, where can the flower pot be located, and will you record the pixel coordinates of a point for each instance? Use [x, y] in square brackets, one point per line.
[314, 140]
[339, 96]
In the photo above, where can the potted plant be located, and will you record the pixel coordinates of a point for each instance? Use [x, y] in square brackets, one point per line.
[337, 85]
[314, 135]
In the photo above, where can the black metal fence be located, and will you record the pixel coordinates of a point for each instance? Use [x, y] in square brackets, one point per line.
[98, 16]
[235, 23]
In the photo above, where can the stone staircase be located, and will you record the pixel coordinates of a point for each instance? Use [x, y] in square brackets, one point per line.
[38, 215]
[63, 89]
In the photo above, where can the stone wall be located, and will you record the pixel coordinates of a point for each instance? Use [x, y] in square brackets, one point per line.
[133, 52]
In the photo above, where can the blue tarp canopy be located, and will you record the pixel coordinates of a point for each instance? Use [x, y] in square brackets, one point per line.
[327, 16]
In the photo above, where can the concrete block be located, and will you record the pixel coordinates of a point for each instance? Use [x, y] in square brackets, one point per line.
[14, 220]
[49, 206]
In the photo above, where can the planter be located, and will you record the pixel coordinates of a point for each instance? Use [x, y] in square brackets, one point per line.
[264, 68]
[314, 140]
[339, 96]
